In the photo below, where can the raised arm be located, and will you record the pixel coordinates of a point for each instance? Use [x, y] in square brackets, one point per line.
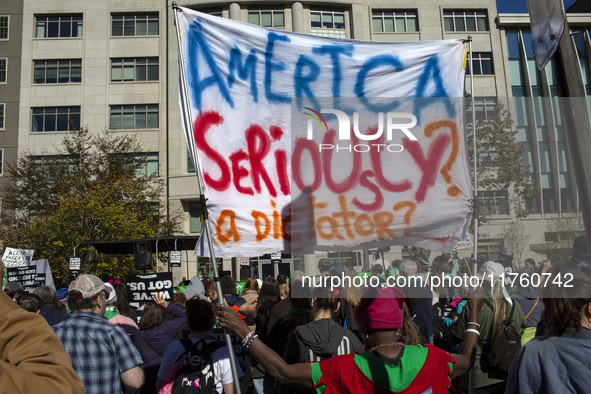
[294, 374]
[463, 358]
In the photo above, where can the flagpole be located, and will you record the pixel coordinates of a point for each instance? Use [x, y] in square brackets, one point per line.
[475, 155]
[475, 207]
[186, 117]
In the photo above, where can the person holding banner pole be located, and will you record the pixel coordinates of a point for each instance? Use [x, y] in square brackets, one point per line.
[388, 365]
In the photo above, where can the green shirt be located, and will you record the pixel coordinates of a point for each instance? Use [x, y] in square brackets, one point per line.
[397, 378]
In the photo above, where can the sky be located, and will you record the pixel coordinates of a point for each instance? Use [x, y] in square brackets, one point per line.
[508, 6]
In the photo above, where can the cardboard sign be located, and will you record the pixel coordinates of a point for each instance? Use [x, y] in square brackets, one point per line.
[141, 288]
[17, 257]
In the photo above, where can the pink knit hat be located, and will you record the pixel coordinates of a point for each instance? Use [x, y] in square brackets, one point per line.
[380, 309]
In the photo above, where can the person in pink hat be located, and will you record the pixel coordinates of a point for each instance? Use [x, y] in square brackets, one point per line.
[392, 362]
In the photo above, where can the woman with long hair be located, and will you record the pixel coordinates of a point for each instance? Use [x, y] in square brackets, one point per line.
[389, 364]
[122, 304]
[497, 308]
[157, 334]
[268, 297]
[350, 296]
[558, 362]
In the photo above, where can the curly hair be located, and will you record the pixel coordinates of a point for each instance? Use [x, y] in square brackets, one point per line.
[152, 316]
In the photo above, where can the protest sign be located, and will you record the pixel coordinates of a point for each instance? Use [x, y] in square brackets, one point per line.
[141, 288]
[44, 271]
[175, 258]
[269, 112]
[17, 257]
[24, 275]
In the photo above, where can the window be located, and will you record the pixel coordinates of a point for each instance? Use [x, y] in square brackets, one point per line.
[147, 164]
[134, 117]
[267, 17]
[54, 26]
[328, 23]
[3, 67]
[4, 27]
[134, 69]
[482, 62]
[2, 114]
[195, 214]
[190, 166]
[494, 202]
[1, 162]
[58, 71]
[134, 24]
[467, 20]
[485, 107]
[56, 118]
[394, 21]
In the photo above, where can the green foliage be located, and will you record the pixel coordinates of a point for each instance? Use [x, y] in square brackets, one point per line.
[86, 190]
[501, 165]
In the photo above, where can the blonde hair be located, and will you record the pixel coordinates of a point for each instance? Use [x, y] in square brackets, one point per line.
[352, 294]
[211, 292]
[284, 291]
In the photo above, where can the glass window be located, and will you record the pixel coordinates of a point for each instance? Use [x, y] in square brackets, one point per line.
[465, 20]
[58, 26]
[133, 117]
[134, 24]
[147, 164]
[2, 115]
[134, 69]
[494, 202]
[482, 64]
[267, 17]
[55, 118]
[57, 71]
[1, 163]
[195, 215]
[4, 27]
[328, 23]
[394, 21]
[3, 69]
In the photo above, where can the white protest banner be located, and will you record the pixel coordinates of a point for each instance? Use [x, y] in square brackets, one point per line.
[44, 270]
[17, 257]
[248, 87]
[141, 288]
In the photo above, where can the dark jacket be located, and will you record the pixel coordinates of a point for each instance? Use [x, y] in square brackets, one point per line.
[320, 340]
[53, 315]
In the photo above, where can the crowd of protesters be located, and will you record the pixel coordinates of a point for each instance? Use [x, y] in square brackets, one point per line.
[380, 339]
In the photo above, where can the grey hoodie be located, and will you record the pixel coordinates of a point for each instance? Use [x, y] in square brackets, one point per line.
[320, 340]
[195, 287]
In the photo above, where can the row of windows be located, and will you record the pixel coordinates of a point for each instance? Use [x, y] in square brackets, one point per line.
[146, 162]
[70, 70]
[71, 25]
[122, 117]
[332, 21]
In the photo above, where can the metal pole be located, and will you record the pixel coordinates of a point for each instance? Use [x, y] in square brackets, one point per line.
[203, 200]
[157, 269]
[475, 155]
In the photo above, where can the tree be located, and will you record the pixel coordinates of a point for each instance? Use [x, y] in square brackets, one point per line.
[501, 166]
[90, 188]
[516, 238]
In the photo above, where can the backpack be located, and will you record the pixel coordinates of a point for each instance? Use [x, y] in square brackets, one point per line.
[197, 377]
[504, 345]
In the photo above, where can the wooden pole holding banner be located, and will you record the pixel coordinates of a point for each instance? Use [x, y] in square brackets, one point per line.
[185, 109]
